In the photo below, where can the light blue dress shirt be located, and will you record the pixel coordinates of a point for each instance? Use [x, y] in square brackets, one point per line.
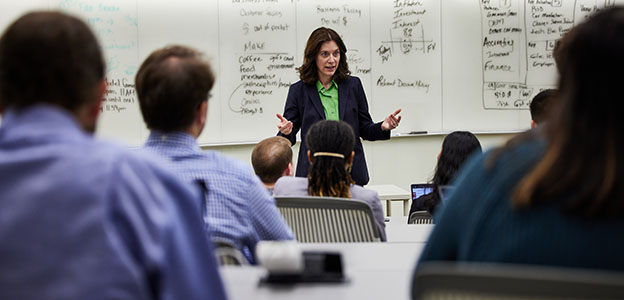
[84, 219]
[239, 208]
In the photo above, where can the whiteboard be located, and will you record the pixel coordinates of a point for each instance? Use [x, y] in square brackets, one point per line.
[449, 64]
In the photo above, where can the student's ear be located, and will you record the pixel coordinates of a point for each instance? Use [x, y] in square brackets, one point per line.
[88, 113]
[533, 124]
[309, 157]
[100, 91]
[350, 158]
[202, 113]
[290, 170]
[439, 154]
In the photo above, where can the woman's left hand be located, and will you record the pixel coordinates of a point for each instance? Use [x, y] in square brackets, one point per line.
[391, 121]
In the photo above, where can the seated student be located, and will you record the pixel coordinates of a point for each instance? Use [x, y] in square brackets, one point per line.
[81, 218]
[272, 159]
[556, 198]
[330, 153]
[540, 106]
[173, 86]
[456, 149]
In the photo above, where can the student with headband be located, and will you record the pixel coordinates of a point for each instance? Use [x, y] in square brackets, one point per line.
[330, 153]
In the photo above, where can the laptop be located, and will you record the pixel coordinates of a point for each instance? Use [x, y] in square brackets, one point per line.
[419, 189]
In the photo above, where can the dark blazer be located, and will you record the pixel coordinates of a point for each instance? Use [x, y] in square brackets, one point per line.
[304, 108]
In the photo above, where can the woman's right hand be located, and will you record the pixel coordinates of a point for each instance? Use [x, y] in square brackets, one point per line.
[284, 126]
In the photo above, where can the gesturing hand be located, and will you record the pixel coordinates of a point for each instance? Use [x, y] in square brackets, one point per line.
[284, 126]
[391, 121]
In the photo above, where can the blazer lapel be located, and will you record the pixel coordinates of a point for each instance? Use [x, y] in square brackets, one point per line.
[315, 99]
[343, 94]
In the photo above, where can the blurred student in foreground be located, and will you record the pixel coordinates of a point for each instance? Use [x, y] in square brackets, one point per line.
[79, 218]
[330, 152]
[555, 199]
[271, 159]
[457, 147]
[173, 86]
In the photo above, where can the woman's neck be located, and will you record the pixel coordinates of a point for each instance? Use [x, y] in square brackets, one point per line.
[326, 82]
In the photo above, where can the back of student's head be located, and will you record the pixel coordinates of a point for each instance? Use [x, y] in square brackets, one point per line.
[271, 157]
[584, 133]
[330, 144]
[456, 149]
[540, 105]
[171, 85]
[49, 57]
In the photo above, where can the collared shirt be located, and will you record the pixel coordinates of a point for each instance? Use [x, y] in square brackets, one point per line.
[83, 219]
[329, 99]
[238, 207]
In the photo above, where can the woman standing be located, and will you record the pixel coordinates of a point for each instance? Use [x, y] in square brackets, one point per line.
[326, 91]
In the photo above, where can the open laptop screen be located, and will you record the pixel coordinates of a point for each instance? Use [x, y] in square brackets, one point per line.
[419, 189]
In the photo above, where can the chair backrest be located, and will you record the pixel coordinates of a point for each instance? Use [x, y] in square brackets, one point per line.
[228, 255]
[451, 281]
[328, 219]
[420, 217]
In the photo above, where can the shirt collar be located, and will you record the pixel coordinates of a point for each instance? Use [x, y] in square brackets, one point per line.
[320, 87]
[41, 121]
[176, 139]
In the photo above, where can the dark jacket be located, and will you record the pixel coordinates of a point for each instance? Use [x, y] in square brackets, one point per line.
[304, 108]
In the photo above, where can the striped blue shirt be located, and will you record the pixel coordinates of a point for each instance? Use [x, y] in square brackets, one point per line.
[238, 207]
[85, 219]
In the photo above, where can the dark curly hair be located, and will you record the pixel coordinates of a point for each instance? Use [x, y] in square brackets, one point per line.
[328, 175]
[308, 72]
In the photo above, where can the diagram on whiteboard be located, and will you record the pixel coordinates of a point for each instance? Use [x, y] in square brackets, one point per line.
[518, 38]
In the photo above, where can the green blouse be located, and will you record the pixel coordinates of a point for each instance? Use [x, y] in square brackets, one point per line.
[329, 98]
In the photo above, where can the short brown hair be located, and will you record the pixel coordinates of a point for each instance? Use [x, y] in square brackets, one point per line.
[308, 72]
[49, 57]
[540, 105]
[171, 84]
[271, 157]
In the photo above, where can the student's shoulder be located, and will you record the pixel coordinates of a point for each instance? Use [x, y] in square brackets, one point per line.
[291, 186]
[123, 161]
[362, 193]
[517, 157]
[226, 165]
[291, 180]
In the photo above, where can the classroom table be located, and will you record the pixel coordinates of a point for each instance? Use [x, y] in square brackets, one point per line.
[398, 231]
[390, 193]
[373, 271]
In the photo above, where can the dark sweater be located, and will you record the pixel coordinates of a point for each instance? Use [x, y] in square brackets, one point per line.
[478, 223]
